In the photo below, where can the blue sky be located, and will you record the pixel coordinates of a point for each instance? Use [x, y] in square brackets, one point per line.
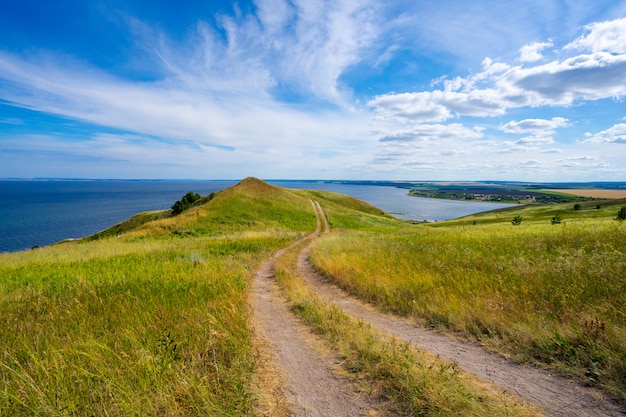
[308, 89]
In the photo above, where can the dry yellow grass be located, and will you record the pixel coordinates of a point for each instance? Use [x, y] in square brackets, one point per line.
[596, 193]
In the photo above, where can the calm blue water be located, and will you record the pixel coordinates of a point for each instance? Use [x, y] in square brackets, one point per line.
[38, 213]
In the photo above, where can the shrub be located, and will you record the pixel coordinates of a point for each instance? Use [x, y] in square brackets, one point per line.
[621, 214]
[517, 220]
[577, 206]
[185, 202]
[556, 219]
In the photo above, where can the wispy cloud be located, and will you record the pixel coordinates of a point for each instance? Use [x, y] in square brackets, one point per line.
[434, 133]
[534, 125]
[614, 134]
[284, 85]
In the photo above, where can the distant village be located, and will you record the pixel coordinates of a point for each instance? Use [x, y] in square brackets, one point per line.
[500, 196]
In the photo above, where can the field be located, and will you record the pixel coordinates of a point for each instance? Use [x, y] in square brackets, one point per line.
[151, 317]
[595, 193]
[551, 294]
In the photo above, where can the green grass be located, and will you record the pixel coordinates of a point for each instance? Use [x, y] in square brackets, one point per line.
[598, 209]
[408, 381]
[138, 334]
[148, 318]
[552, 294]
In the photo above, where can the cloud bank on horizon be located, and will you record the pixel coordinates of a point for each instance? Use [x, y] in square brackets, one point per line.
[351, 89]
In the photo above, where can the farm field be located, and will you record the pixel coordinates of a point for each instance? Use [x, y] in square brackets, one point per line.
[596, 193]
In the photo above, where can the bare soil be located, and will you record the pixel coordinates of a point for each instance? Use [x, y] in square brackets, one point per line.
[311, 386]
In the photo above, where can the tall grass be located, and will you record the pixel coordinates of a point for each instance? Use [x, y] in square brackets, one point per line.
[140, 334]
[553, 294]
[147, 319]
[410, 382]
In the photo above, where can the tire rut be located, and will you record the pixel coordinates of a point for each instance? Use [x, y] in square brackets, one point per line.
[558, 396]
[310, 386]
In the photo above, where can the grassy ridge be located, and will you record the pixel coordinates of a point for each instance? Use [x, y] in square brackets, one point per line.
[553, 294]
[153, 322]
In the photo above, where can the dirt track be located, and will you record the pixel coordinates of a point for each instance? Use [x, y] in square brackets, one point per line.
[312, 388]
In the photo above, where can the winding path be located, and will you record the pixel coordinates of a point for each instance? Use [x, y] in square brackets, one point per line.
[312, 388]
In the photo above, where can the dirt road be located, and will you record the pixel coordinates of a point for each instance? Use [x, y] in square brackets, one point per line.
[311, 384]
[299, 362]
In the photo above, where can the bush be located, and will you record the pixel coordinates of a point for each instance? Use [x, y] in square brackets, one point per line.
[556, 219]
[517, 220]
[621, 214]
[577, 206]
[185, 202]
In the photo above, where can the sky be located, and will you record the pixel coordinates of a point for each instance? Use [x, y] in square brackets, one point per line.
[311, 89]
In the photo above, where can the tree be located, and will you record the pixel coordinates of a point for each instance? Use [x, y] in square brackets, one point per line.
[185, 202]
[517, 220]
[621, 214]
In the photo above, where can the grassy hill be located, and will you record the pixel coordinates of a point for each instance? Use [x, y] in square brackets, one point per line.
[146, 318]
[150, 317]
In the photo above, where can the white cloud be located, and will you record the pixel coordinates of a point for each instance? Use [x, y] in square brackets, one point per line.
[607, 36]
[585, 162]
[532, 52]
[434, 133]
[534, 125]
[535, 141]
[418, 107]
[499, 87]
[585, 77]
[615, 134]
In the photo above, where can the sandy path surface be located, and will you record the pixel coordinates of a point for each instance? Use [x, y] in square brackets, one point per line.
[311, 387]
[557, 396]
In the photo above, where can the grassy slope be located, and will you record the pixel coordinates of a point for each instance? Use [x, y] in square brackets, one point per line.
[150, 316]
[154, 322]
[552, 294]
[598, 209]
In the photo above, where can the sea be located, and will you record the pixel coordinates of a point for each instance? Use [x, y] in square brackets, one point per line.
[41, 212]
